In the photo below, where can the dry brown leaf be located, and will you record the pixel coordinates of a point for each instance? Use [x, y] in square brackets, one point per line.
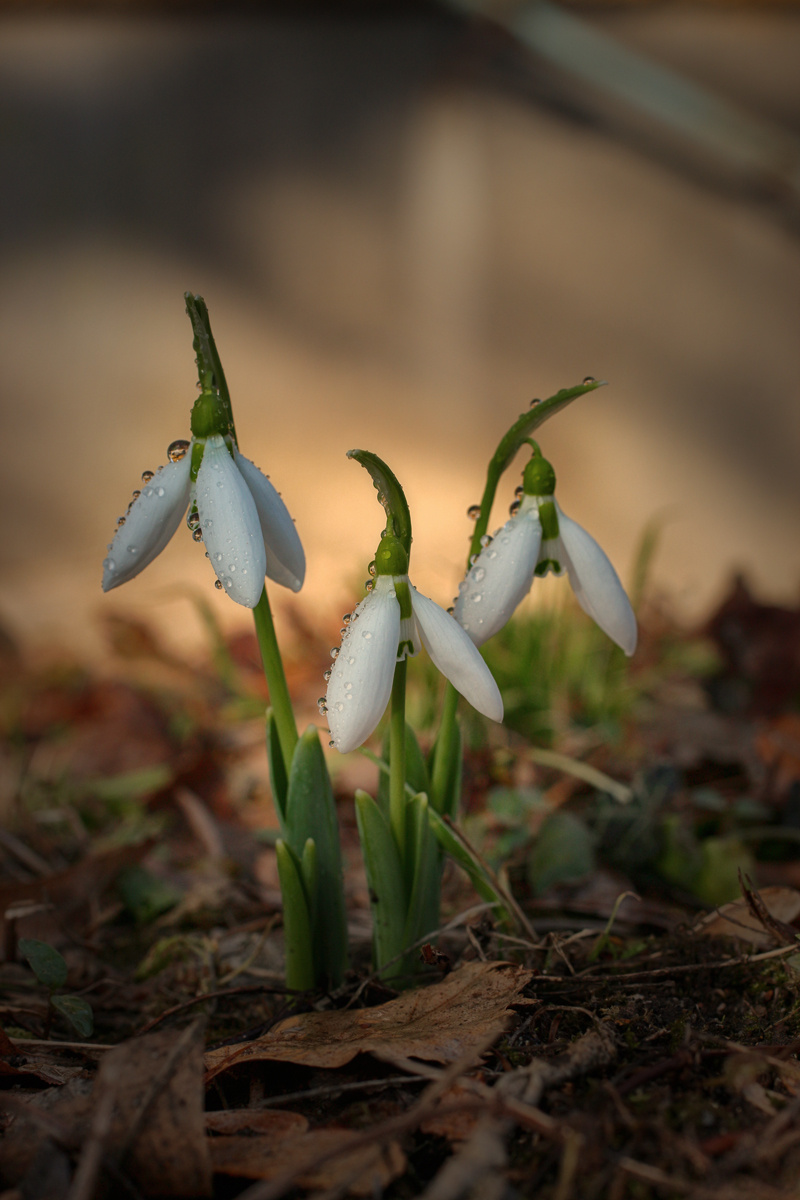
[364, 1171]
[275, 1121]
[736, 919]
[439, 1023]
[456, 1125]
[157, 1087]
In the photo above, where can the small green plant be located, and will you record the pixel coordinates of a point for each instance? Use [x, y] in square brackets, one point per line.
[50, 970]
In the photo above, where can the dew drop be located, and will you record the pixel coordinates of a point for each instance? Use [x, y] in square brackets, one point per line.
[120, 522]
[347, 618]
[366, 634]
[193, 518]
[334, 652]
[147, 476]
[348, 687]
[197, 534]
[322, 706]
[339, 706]
[228, 583]
[514, 508]
[135, 496]
[473, 558]
[159, 492]
[218, 556]
[492, 554]
[326, 675]
[218, 584]
[533, 403]
[451, 609]
[485, 540]
[518, 491]
[177, 450]
[110, 565]
[133, 549]
[369, 585]
[349, 696]
[476, 597]
[588, 379]
[231, 567]
[331, 743]
[478, 574]
[206, 554]
[474, 511]
[372, 569]
[351, 661]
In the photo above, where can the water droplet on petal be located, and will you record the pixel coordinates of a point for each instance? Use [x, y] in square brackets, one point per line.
[372, 569]
[322, 705]
[110, 565]
[485, 541]
[518, 491]
[133, 549]
[347, 618]
[193, 519]
[474, 511]
[451, 609]
[369, 585]
[473, 558]
[218, 584]
[352, 663]
[349, 696]
[177, 450]
[334, 652]
[135, 496]
[478, 574]
[218, 556]
[197, 534]
[514, 508]
[147, 476]
[326, 675]
[476, 597]
[366, 635]
[231, 567]
[331, 743]
[159, 492]
[492, 554]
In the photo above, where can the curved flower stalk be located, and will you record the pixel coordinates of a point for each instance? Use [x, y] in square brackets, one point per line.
[232, 506]
[539, 538]
[390, 624]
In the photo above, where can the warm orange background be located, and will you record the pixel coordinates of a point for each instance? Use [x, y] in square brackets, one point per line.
[403, 232]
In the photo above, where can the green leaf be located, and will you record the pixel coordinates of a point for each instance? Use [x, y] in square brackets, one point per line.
[297, 928]
[145, 896]
[459, 853]
[278, 778]
[131, 785]
[563, 850]
[77, 1011]
[416, 767]
[423, 907]
[385, 879]
[311, 813]
[447, 799]
[46, 963]
[390, 495]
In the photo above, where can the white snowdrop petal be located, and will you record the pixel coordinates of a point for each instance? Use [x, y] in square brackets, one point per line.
[286, 562]
[596, 584]
[153, 518]
[362, 673]
[230, 525]
[456, 657]
[501, 576]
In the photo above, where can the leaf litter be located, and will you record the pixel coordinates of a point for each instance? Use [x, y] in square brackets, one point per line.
[626, 1047]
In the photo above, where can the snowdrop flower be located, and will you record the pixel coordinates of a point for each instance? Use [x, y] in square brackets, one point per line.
[392, 622]
[537, 539]
[233, 508]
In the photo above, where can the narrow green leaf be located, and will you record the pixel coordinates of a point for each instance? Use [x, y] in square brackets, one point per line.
[297, 930]
[390, 495]
[278, 778]
[448, 799]
[77, 1011]
[145, 896]
[385, 879]
[309, 870]
[46, 963]
[416, 768]
[460, 855]
[423, 907]
[311, 813]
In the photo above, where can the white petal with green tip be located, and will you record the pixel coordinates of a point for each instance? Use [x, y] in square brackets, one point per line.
[456, 657]
[596, 584]
[286, 562]
[501, 576]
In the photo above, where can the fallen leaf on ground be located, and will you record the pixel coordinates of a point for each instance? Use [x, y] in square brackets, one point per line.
[158, 1127]
[438, 1023]
[364, 1171]
[737, 920]
[274, 1121]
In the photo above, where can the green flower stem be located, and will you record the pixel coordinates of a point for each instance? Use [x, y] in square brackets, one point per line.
[443, 756]
[276, 679]
[397, 759]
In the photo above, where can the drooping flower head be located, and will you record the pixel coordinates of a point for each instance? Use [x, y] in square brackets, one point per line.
[232, 507]
[536, 539]
[391, 623]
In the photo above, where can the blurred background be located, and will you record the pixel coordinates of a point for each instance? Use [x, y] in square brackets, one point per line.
[407, 222]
